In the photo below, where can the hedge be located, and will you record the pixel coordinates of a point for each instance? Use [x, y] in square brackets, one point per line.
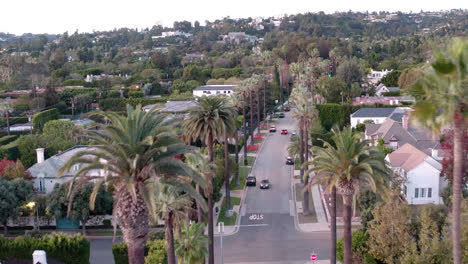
[61, 247]
[136, 94]
[43, 117]
[13, 121]
[358, 246]
[155, 252]
[10, 151]
[7, 139]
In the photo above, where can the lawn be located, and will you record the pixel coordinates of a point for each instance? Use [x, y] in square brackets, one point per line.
[243, 171]
[312, 217]
[297, 164]
[232, 219]
[250, 160]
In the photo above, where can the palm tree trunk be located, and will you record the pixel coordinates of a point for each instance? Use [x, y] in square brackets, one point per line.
[347, 200]
[301, 155]
[133, 223]
[227, 175]
[245, 134]
[170, 240]
[306, 180]
[5, 229]
[210, 207]
[199, 208]
[264, 99]
[237, 158]
[83, 227]
[8, 121]
[252, 129]
[333, 226]
[258, 110]
[457, 186]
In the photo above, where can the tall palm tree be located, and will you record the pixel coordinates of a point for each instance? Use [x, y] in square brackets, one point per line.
[237, 102]
[230, 130]
[200, 164]
[347, 165]
[243, 91]
[191, 247]
[251, 90]
[5, 109]
[441, 100]
[134, 152]
[170, 205]
[265, 55]
[206, 120]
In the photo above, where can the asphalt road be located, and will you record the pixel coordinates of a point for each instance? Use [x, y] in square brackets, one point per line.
[268, 232]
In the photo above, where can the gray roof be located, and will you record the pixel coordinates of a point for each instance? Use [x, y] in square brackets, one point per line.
[397, 117]
[374, 112]
[178, 106]
[215, 87]
[48, 168]
[393, 89]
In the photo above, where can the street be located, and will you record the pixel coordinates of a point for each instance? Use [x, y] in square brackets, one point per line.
[273, 238]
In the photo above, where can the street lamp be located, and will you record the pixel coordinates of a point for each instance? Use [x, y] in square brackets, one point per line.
[31, 205]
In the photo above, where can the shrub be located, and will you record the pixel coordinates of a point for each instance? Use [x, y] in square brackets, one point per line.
[43, 117]
[13, 121]
[156, 235]
[136, 94]
[7, 139]
[155, 252]
[68, 249]
[74, 82]
[359, 248]
[11, 151]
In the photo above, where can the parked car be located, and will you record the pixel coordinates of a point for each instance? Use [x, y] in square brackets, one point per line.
[265, 184]
[251, 180]
[293, 133]
[281, 115]
[289, 161]
[287, 109]
[284, 131]
[272, 128]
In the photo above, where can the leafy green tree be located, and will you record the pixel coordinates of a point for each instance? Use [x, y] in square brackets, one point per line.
[331, 88]
[441, 99]
[133, 150]
[13, 194]
[206, 122]
[27, 145]
[391, 78]
[190, 248]
[347, 165]
[192, 72]
[170, 205]
[349, 72]
[60, 204]
[58, 129]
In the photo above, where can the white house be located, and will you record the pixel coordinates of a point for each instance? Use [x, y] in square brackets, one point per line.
[422, 173]
[44, 172]
[213, 90]
[376, 115]
[382, 88]
[374, 76]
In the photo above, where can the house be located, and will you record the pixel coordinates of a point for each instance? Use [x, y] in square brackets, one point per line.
[423, 183]
[22, 127]
[376, 115]
[396, 134]
[44, 172]
[213, 90]
[387, 100]
[382, 88]
[375, 76]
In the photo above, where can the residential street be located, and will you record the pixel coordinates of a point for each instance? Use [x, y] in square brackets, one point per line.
[275, 237]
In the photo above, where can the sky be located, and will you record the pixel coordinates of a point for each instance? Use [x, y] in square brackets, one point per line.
[58, 16]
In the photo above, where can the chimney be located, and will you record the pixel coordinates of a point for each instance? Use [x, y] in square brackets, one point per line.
[40, 155]
[404, 121]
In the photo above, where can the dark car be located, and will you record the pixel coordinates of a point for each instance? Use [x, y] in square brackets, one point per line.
[281, 115]
[289, 161]
[265, 184]
[272, 128]
[287, 109]
[284, 131]
[251, 181]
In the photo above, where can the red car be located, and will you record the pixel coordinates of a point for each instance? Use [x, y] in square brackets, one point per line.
[287, 109]
[284, 131]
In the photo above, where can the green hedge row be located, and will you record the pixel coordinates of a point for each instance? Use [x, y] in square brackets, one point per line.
[10, 151]
[61, 247]
[155, 252]
[13, 121]
[7, 139]
[43, 117]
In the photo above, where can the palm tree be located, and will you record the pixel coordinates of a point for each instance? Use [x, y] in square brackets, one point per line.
[230, 129]
[243, 91]
[265, 55]
[236, 101]
[207, 121]
[134, 152]
[347, 165]
[442, 99]
[5, 109]
[170, 205]
[200, 164]
[191, 247]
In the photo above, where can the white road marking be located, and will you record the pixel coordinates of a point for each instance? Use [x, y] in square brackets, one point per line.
[254, 225]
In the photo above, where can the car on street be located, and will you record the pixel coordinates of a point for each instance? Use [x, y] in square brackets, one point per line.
[287, 109]
[284, 131]
[251, 180]
[293, 133]
[265, 184]
[281, 115]
[289, 161]
[272, 128]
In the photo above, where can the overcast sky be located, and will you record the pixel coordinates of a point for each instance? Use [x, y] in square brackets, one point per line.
[58, 16]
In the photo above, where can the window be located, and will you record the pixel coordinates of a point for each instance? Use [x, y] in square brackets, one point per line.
[41, 185]
[429, 192]
[229, 91]
[405, 190]
[423, 192]
[416, 192]
[76, 167]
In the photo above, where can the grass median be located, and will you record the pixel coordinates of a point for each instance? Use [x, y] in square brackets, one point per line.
[312, 217]
[231, 220]
[243, 172]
